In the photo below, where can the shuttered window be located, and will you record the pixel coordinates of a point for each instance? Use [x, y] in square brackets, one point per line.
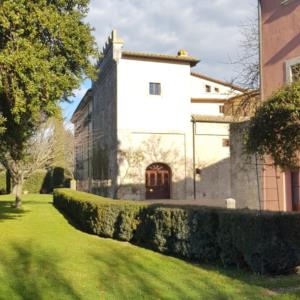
[154, 88]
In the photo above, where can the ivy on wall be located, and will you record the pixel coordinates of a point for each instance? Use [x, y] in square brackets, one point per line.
[275, 128]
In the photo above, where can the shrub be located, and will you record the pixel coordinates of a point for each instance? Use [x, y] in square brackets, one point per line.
[263, 242]
[34, 183]
[2, 182]
[43, 181]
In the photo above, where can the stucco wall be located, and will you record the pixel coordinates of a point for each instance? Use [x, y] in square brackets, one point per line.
[280, 41]
[141, 149]
[139, 111]
[213, 160]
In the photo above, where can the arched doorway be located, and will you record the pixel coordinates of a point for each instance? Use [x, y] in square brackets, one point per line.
[158, 181]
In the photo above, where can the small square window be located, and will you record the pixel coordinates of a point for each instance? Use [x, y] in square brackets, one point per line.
[225, 142]
[208, 88]
[154, 88]
[221, 109]
[217, 90]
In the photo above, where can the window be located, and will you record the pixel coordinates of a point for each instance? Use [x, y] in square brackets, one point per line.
[221, 109]
[217, 90]
[154, 88]
[208, 88]
[295, 70]
[226, 142]
[292, 67]
[284, 2]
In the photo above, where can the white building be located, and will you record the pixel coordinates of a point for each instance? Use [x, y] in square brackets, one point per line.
[155, 128]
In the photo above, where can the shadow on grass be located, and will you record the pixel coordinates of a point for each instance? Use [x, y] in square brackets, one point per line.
[8, 212]
[30, 272]
[147, 276]
[209, 287]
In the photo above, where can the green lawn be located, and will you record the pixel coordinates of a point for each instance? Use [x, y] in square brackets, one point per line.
[43, 257]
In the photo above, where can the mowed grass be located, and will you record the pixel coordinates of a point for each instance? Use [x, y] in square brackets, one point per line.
[42, 256]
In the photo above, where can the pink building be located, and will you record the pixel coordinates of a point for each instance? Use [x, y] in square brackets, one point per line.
[280, 57]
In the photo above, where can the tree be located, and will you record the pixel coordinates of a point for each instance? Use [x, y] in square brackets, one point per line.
[248, 74]
[50, 147]
[275, 128]
[63, 145]
[45, 50]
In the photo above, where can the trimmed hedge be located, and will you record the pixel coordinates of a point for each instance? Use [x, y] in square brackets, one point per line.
[41, 181]
[2, 182]
[263, 242]
[35, 182]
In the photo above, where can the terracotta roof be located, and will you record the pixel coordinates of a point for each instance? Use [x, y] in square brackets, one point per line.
[155, 56]
[209, 100]
[247, 94]
[86, 98]
[216, 119]
[233, 86]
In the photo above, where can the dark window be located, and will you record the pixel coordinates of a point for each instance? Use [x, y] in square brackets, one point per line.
[159, 179]
[217, 90]
[295, 72]
[154, 88]
[152, 179]
[208, 88]
[221, 109]
[226, 142]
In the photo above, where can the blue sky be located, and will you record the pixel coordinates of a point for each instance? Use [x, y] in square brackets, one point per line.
[207, 29]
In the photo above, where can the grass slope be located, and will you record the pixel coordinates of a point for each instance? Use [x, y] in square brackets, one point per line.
[43, 257]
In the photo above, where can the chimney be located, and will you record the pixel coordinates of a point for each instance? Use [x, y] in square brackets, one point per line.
[182, 53]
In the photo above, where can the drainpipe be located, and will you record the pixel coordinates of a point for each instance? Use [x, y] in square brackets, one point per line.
[260, 51]
[194, 160]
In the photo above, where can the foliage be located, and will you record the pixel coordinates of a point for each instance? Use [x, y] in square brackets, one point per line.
[44, 257]
[2, 182]
[43, 181]
[63, 145]
[275, 128]
[260, 242]
[45, 50]
[34, 183]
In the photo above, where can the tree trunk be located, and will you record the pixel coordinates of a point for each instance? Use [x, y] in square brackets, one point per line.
[18, 188]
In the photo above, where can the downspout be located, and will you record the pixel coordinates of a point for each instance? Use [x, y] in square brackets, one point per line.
[259, 186]
[194, 160]
[260, 51]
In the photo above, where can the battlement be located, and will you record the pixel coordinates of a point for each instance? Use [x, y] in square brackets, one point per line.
[113, 39]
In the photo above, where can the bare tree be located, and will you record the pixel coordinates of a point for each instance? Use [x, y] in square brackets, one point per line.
[42, 151]
[247, 61]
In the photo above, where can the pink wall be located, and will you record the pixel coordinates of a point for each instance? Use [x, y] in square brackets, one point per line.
[280, 41]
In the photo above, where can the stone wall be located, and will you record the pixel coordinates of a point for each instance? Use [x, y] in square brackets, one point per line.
[246, 175]
[105, 142]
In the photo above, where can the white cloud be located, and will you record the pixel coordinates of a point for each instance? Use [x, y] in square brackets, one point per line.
[208, 29]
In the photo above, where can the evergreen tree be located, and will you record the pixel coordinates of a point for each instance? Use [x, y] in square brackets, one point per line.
[45, 50]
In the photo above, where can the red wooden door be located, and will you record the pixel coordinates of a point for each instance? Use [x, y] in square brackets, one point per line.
[158, 181]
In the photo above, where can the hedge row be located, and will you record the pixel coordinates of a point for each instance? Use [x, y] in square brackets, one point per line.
[44, 181]
[265, 243]
[2, 182]
[41, 181]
